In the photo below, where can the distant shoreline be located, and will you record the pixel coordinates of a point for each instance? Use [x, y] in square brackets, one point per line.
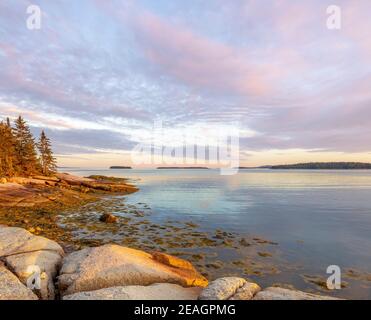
[316, 166]
[297, 166]
[326, 166]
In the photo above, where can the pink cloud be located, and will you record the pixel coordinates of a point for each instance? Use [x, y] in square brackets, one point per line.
[357, 26]
[201, 62]
[33, 116]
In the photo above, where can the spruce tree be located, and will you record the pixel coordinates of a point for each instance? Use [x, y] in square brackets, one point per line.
[47, 161]
[25, 148]
[7, 151]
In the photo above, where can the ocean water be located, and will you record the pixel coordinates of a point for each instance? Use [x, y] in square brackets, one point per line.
[311, 220]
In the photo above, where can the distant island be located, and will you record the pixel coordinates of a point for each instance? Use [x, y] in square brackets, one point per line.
[324, 166]
[182, 168]
[316, 166]
[302, 166]
[250, 168]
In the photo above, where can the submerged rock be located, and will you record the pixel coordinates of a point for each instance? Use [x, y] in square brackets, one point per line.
[157, 291]
[108, 218]
[112, 265]
[244, 242]
[11, 288]
[275, 293]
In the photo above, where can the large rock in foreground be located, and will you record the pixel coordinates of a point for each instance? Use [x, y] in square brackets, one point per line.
[47, 264]
[11, 288]
[229, 288]
[112, 265]
[158, 291]
[17, 240]
[26, 254]
[275, 293]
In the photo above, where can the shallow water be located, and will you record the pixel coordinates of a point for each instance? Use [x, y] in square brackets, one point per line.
[296, 223]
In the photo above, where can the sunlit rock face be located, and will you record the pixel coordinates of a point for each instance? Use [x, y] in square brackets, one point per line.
[113, 265]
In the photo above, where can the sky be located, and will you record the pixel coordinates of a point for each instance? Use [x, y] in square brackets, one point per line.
[98, 74]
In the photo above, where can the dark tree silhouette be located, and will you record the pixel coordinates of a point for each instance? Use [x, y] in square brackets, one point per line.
[7, 151]
[47, 161]
[25, 148]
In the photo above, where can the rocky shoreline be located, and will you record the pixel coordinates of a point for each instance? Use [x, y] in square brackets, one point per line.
[33, 203]
[29, 208]
[62, 188]
[113, 272]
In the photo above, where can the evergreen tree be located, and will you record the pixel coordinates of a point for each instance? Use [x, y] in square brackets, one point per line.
[25, 149]
[7, 151]
[47, 161]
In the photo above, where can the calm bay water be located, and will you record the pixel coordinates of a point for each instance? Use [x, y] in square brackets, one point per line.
[317, 218]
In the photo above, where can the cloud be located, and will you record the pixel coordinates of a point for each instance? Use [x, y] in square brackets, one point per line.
[198, 61]
[104, 71]
[87, 141]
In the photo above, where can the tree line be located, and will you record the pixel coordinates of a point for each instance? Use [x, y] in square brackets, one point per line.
[325, 166]
[21, 154]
